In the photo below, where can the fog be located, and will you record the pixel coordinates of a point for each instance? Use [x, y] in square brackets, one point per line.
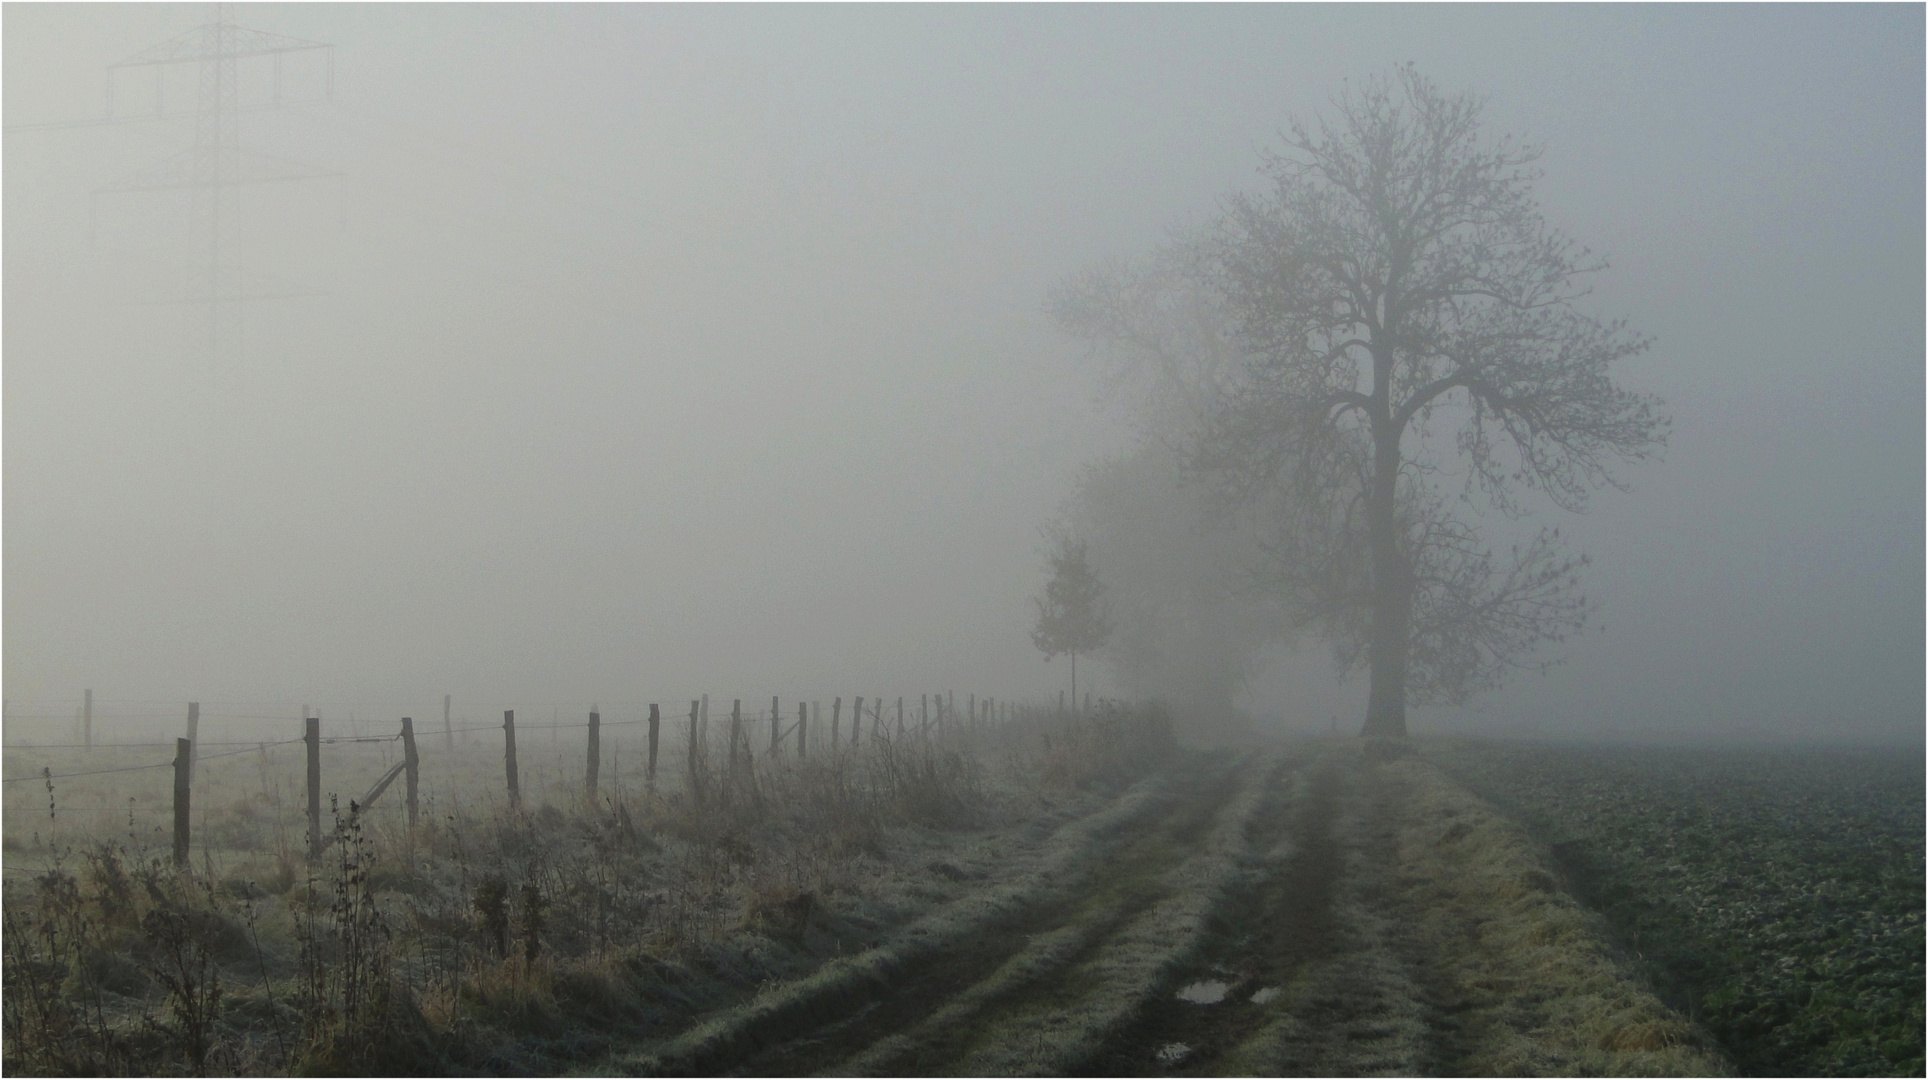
[640, 352]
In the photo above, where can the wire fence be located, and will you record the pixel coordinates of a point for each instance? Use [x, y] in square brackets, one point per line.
[460, 766]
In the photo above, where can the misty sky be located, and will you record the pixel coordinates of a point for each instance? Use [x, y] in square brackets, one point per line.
[658, 350]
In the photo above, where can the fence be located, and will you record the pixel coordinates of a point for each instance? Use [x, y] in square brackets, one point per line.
[868, 719]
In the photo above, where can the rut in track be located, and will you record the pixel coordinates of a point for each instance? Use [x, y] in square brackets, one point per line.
[1025, 989]
[984, 985]
[1245, 879]
[1313, 979]
[1295, 911]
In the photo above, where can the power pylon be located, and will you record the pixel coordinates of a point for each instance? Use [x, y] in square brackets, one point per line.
[216, 167]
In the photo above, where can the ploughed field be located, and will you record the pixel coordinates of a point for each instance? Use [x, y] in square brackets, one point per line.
[1775, 895]
[1072, 896]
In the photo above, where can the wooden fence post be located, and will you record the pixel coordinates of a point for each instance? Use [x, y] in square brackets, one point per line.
[900, 716]
[776, 722]
[193, 737]
[87, 719]
[856, 722]
[803, 730]
[411, 766]
[736, 729]
[448, 732]
[311, 734]
[655, 728]
[508, 756]
[183, 762]
[695, 715]
[595, 751]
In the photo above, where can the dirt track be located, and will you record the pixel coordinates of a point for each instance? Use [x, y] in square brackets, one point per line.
[1277, 876]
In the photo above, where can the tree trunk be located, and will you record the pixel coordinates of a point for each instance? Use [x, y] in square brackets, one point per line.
[1391, 596]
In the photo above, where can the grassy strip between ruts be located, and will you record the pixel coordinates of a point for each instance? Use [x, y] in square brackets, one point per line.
[1446, 948]
[1058, 1032]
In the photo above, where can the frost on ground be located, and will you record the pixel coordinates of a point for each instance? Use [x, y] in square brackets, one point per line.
[1173, 1053]
[1209, 992]
[1779, 893]
[1300, 912]
[1293, 909]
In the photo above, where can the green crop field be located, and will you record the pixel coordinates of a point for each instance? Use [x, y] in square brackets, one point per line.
[1776, 896]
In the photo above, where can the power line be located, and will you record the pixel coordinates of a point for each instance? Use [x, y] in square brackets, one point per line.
[216, 166]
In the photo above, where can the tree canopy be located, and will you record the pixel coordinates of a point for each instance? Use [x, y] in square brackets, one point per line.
[1071, 613]
[1411, 357]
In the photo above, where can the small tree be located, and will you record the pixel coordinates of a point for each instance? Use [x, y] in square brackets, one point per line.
[1071, 613]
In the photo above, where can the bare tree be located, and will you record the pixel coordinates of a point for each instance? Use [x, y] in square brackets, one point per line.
[1401, 315]
[1398, 274]
[1187, 627]
[1071, 613]
[1179, 571]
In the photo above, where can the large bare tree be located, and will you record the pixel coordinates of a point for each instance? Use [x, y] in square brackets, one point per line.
[1404, 324]
[1397, 277]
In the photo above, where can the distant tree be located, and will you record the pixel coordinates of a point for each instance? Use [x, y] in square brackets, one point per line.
[1398, 277]
[1071, 613]
[1187, 626]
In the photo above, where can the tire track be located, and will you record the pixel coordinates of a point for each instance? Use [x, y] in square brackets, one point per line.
[849, 1005]
[1300, 975]
[1273, 875]
[975, 1007]
[1398, 928]
[1049, 1008]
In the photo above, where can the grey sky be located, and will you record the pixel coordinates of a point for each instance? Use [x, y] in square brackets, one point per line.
[674, 349]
